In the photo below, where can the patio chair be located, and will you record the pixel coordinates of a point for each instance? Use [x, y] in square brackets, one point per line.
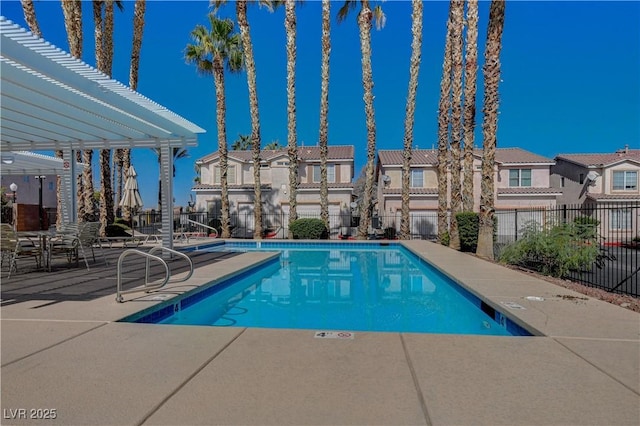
[76, 240]
[13, 247]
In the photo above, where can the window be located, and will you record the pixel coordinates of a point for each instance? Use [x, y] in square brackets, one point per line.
[331, 173]
[520, 177]
[417, 179]
[625, 181]
[620, 219]
[581, 178]
[231, 175]
[561, 182]
[50, 186]
[282, 163]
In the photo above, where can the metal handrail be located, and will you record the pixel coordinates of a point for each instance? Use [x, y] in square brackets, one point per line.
[160, 248]
[203, 225]
[120, 292]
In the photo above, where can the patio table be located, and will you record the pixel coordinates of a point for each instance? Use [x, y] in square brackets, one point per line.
[42, 242]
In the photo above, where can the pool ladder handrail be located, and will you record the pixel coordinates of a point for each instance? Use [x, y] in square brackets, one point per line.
[149, 256]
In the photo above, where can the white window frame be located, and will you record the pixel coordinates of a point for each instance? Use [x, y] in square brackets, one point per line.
[231, 175]
[414, 178]
[620, 219]
[331, 173]
[626, 181]
[520, 178]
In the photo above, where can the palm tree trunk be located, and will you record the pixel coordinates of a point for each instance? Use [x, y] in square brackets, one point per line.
[491, 72]
[243, 24]
[87, 177]
[218, 79]
[457, 15]
[30, 17]
[72, 11]
[324, 112]
[292, 143]
[471, 69]
[138, 27]
[364, 24]
[443, 135]
[414, 68]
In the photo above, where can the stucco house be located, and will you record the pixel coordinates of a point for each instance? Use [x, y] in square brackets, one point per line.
[522, 181]
[274, 178]
[606, 186]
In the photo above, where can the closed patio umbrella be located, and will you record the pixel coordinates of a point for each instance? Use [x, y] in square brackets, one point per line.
[131, 197]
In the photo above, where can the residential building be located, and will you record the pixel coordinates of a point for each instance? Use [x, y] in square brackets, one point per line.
[521, 181]
[274, 178]
[606, 181]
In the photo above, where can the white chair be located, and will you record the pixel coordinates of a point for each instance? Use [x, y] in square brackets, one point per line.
[76, 240]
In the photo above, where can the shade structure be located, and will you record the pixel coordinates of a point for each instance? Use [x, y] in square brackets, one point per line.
[53, 101]
[131, 198]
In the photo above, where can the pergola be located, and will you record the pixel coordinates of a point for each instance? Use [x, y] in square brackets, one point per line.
[31, 163]
[53, 101]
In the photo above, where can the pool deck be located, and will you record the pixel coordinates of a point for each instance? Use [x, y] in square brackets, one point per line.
[71, 356]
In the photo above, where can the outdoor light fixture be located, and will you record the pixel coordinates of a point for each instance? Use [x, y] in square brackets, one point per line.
[14, 187]
[8, 159]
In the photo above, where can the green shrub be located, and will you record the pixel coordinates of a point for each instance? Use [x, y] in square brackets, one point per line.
[308, 229]
[445, 238]
[552, 250]
[586, 227]
[121, 221]
[116, 230]
[468, 225]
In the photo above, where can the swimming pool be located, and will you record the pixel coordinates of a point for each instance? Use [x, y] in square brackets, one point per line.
[339, 286]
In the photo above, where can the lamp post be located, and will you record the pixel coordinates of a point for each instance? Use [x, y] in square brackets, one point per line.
[14, 211]
[40, 216]
[14, 187]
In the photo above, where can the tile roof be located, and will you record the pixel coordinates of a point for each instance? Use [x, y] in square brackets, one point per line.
[430, 157]
[602, 160]
[305, 153]
[529, 191]
[412, 191]
[610, 197]
[205, 186]
[329, 185]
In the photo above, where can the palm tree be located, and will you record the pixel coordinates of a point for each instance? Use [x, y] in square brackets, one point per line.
[444, 108]
[211, 51]
[273, 145]
[292, 143]
[243, 143]
[491, 72]
[178, 153]
[138, 27]
[30, 17]
[72, 11]
[324, 112]
[457, 16]
[104, 37]
[414, 68]
[471, 68]
[245, 35]
[365, 19]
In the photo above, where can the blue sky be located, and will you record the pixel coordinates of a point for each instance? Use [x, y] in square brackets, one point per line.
[570, 76]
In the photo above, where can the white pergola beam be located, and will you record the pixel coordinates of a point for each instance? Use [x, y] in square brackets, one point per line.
[52, 101]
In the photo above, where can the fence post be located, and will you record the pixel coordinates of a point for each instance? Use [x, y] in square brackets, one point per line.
[515, 221]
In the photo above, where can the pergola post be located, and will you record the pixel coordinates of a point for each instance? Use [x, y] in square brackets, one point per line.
[166, 202]
[69, 187]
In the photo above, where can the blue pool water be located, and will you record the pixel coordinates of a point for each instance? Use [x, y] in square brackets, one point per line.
[361, 287]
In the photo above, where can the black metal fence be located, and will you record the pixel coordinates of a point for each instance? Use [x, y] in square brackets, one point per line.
[616, 225]
[615, 228]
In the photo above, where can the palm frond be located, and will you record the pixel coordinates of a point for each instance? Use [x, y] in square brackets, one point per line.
[347, 7]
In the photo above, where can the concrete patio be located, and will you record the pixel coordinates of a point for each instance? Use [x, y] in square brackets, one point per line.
[62, 350]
